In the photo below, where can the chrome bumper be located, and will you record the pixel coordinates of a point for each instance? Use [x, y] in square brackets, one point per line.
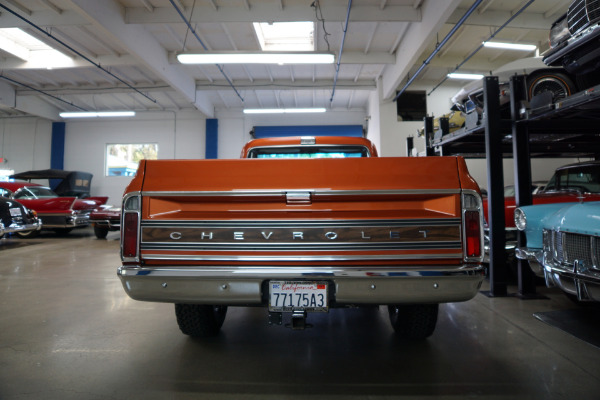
[65, 220]
[112, 225]
[36, 226]
[535, 258]
[350, 285]
[576, 280]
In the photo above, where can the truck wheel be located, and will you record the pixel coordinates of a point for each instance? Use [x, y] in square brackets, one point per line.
[200, 320]
[559, 84]
[28, 234]
[413, 321]
[100, 231]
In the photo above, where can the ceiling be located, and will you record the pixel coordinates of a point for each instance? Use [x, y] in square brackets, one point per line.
[124, 51]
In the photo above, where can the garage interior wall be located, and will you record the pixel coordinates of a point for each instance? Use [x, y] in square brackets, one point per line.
[181, 135]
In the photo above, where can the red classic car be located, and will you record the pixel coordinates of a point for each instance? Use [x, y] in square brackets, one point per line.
[60, 214]
[104, 220]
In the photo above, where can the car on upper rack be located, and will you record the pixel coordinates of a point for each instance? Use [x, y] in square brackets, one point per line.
[575, 42]
[60, 214]
[563, 246]
[16, 218]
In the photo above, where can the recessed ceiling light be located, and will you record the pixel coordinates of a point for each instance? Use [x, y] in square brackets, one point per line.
[256, 58]
[283, 110]
[510, 46]
[96, 114]
[457, 75]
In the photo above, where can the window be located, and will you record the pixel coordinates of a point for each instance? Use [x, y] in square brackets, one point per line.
[123, 159]
[309, 152]
[285, 36]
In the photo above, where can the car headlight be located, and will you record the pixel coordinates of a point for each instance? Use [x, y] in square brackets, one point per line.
[520, 219]
[559, 31]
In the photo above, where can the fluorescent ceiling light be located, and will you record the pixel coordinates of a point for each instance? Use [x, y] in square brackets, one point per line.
[282, 110]
[36, 53]
[510, 46]
[94, 114]
[457, 75]
[256, 58]
[285, 36]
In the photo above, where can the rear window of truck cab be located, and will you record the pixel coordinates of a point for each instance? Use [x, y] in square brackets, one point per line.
[309, 152]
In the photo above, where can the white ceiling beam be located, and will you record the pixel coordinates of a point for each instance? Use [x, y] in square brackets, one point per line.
[108, 15]
[105, 61]
[45, 18]
[415, 41]
[51, 6]
[19, 6]
[483, 8]
[298, 84]
[149, 7]
[267, 13]
[560, 7]
[370, 39]
[527, 20]
[33, 105]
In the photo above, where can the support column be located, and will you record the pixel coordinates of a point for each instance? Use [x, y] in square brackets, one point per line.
[522, 162]
[493, 154]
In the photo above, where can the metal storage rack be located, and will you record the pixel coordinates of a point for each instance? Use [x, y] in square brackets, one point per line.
[538, 128]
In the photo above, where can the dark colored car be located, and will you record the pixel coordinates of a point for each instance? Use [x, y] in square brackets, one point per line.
[575, 41]
[16, 218]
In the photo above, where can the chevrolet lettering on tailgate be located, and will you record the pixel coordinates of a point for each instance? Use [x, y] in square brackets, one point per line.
[345, 229]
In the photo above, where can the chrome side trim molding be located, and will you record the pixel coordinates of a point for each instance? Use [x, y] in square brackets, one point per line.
[314, 192]
[299, 258]
[297, 224]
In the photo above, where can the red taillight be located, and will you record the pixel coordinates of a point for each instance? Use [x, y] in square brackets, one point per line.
[473, 233]
[130, 234]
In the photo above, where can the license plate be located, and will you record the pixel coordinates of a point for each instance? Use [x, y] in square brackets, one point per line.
[15, 212]
[298, 295]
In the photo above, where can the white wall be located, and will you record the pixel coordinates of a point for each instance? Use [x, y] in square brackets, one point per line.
[25, 143]
[178, 135]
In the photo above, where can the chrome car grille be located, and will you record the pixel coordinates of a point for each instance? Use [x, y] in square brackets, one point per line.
[566, 248]
[582, 13]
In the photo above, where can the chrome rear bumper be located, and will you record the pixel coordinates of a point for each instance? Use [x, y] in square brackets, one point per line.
[350, 285]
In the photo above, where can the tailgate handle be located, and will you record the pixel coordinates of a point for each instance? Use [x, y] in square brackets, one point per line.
[298, 198]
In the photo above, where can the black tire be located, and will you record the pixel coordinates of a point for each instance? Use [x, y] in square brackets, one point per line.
[62, 231]
[558, 83]
[28, 234]
[200, 320]
[413, 321]
[100, 231]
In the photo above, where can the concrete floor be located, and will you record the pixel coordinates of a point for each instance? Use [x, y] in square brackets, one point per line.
[68, 331]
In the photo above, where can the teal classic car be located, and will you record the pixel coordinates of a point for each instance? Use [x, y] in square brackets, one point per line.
[563, 246]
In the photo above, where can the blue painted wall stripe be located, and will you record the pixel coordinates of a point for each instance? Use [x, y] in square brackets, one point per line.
[57, 150]
[212, 138]
[308, 130]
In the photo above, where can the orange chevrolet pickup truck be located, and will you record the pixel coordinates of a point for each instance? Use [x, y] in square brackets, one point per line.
[299, 226]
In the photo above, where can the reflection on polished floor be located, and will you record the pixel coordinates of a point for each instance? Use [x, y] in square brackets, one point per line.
[68, 331]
